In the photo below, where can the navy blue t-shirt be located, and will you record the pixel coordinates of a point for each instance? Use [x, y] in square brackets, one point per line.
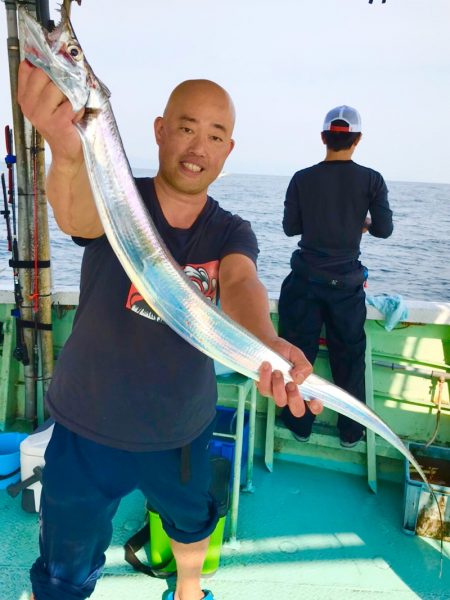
[327, 204]
[124, 378]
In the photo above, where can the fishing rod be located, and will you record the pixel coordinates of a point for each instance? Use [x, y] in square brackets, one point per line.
[20, 352]
[6, 213]
[10, 160]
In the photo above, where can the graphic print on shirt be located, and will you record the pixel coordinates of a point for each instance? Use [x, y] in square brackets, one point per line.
[204, 276]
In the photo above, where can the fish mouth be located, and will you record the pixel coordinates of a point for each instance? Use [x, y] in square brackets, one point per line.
[49, 52]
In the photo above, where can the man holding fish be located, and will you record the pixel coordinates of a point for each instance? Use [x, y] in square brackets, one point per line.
[134, 403]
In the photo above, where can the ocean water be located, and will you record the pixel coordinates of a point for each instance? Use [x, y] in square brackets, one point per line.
[413, 262]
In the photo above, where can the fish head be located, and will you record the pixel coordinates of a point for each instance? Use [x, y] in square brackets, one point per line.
[59, 54]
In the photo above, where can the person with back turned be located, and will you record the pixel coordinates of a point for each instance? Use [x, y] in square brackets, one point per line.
[328, 205]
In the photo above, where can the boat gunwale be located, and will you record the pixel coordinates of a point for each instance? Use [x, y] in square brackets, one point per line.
[419, 311]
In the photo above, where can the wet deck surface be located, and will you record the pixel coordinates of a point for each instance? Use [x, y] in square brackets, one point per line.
[305, 533]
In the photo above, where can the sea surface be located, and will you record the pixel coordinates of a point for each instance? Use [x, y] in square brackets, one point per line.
[414, 262]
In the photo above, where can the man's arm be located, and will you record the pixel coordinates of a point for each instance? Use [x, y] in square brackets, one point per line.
[292, 218]
[244, 299]
[67, 186]
[380, 224]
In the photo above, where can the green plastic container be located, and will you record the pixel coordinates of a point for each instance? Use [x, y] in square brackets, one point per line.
[161, 552]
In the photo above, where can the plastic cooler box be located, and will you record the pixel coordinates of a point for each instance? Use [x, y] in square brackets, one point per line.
[225, 447]
[32, 451]
[421, 514]
[160, 553]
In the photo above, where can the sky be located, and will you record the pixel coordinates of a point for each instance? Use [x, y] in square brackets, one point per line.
[285, 64]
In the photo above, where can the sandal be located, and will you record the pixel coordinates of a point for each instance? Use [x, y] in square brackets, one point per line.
[207, 595]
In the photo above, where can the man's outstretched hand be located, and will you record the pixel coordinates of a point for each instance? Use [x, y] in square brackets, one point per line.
[272, 384]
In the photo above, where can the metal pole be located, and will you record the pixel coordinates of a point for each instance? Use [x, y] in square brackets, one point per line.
[43, 337]
[419, 371]
[43, 12]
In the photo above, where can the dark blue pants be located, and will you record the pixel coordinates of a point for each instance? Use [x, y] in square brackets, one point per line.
[83, 483]
[305, 306]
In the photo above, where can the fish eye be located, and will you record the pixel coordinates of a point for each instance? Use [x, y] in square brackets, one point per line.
[75, 51]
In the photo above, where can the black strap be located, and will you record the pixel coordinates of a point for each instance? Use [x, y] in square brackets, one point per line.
[29, 264]
[135, 543]
[35, 325]
[8, 475]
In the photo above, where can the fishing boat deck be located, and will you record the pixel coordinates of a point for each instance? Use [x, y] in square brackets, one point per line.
[312, 528]
[305, 532]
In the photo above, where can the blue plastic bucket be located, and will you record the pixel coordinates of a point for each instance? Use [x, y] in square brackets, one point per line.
[10, 458]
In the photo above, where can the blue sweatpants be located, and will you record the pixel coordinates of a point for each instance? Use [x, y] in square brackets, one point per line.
[83, 483]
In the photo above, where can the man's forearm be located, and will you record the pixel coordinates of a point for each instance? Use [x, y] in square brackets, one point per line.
[247, 303]
[69, 193]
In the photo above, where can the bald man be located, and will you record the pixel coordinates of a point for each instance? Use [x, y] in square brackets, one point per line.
[131, 399]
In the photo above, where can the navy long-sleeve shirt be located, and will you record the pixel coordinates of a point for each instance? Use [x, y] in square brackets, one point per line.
[327, 205]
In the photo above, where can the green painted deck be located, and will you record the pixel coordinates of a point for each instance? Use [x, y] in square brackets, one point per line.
[305, 532]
